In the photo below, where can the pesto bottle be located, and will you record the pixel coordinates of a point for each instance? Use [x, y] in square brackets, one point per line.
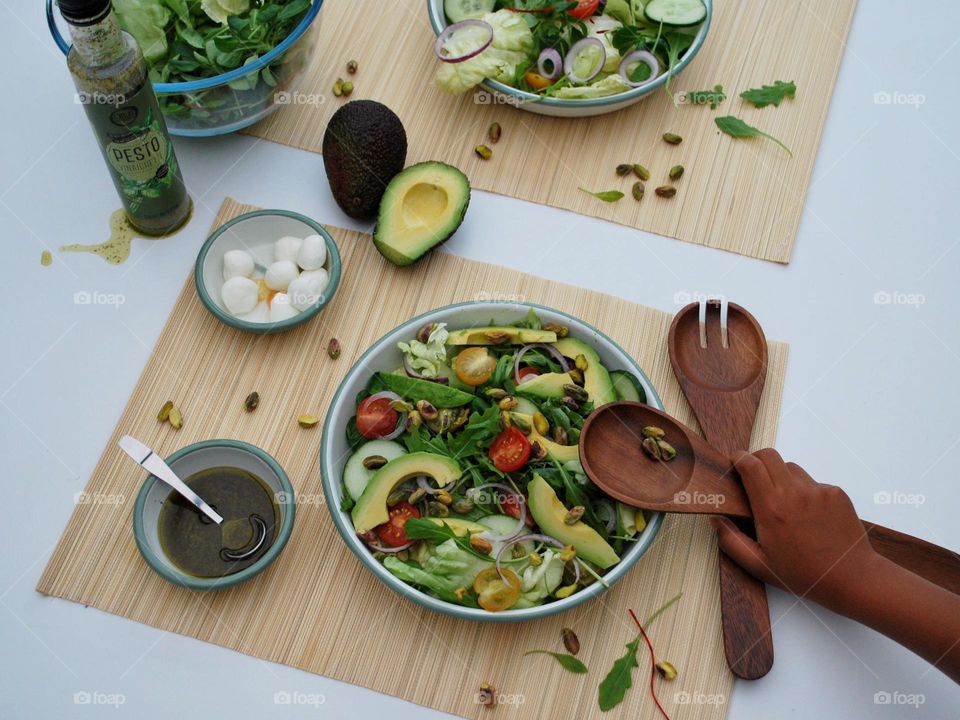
[112, 84]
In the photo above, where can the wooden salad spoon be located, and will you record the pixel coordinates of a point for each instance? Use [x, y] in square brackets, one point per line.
[719, 356]
[701, 479]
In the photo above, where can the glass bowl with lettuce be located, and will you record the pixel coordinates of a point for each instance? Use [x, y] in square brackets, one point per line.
[451, 468]
[218, 65]
[565, 58]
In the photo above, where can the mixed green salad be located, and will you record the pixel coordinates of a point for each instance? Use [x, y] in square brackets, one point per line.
[465, 479]
[568, 50]
[185, 40]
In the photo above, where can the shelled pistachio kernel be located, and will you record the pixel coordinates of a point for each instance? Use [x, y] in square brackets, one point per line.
[651, 448]
[581, 363]
[252, 401]
[481, 545]
[535, 559]
[416, 496]
[176, 418]
[667, 670]
[561, 331]
[46, 258]
[574, 514]
[570, 640]
[483, 152]
[374, 462]
[676, 172]
[672, 138]
[624, 169]
[462, 506]
[443, 496]
[637, 190]
[666, 191]
[338, 87]
[396, 497]
[667, 451]
[333, 348]
[540, 423]
[565, 591]
[494, 133]
[347, 88]
[641, 172]
[568, 553]
[352, 67]
[164, 413]
[307, 420]
[652, 431]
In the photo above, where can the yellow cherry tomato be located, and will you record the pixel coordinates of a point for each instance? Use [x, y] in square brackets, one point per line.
[493, 594]
[474, 366]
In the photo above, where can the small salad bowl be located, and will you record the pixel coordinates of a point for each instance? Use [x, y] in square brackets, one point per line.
[255, 232]
[385, 356]
[193, 459]
[574, 108]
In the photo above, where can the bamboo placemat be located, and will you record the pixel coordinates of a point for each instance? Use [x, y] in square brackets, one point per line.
[317, 607]
[738, 195]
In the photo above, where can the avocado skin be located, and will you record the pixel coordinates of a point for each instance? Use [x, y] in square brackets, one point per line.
[364, 146]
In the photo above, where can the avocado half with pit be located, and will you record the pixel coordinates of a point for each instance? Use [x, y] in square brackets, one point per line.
[421, 208]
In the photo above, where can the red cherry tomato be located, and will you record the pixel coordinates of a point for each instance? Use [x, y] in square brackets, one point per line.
[375, 418]
[527, 371]
[393, 532]
[510, 450]
[584, 9]
[511, 506]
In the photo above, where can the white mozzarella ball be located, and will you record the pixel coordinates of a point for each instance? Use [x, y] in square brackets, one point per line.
[307, 289]
[240, 295]
[281, 274]
[313, 253]
[286, 248]
[260, 314]
[280, 308]
[237, 263]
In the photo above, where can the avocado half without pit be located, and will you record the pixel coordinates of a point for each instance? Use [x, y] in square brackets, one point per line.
[421, 208]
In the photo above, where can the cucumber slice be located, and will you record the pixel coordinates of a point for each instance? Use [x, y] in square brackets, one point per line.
[458, 10]
[356, 476]
[501, 525]
[525, 407]
[676, 12]
[627, 386]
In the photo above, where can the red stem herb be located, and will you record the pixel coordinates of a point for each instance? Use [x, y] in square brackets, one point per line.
[653, 664]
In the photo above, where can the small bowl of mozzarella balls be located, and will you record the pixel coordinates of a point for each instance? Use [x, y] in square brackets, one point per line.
[267, 271]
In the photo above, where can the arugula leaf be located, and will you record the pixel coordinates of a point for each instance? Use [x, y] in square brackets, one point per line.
[567, 662]
[437, 533]
[620, 678]
[701, 97]
[605, 195]
[735, 127]
[770, 94]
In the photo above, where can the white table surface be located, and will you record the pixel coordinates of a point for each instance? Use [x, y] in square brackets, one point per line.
[870, 402]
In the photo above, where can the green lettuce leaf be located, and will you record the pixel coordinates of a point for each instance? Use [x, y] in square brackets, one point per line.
[146, 20]
[610, 85]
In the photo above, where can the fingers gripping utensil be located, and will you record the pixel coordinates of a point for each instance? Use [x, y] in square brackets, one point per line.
[701, 479]
[154, 464]
[719, 356]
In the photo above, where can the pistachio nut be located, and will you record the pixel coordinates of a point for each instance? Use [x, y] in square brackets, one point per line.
[667, 451]
[436, 509]
[396, 497]
[652, 431]
[176, 418]
[508, 403]
[574, 514]
[494, 132]
[520, 423]
[560, 436]
[535, 559]
[672, 138]
[570, 640]
[462, 506]
[569, 402]
[423, 334]
[352, 67]
[252, 401]
[164, 413]
[561, 331]
[667, 670]
[637, 190]
[676, 172]
[565, 591]
[442, 496]
[540, 423]
[427, 410]
[576, 375]
[581, 363]
[374, 462]
[497, 337]
[576, 392]
[568, 553]
[495, 393]
[483, 152]
[537, 451]
[624, 169]
[651, 448]
[417, 495]
[481, 545]
[641, 172]
[666, 191]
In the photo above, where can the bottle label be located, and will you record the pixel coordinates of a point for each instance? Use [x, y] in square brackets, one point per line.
[136, 146]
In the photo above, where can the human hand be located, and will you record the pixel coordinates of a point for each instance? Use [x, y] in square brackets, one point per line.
[809, 538]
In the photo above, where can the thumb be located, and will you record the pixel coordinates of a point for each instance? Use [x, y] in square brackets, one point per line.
[743, 550]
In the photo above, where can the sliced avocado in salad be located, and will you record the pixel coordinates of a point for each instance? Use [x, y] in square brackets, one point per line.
[546, 385]
[560, 453]
[551, 515]
[461, 527]
[440, 396]
[371, 509]
[596, 379]
[500, 335]
[421, 208]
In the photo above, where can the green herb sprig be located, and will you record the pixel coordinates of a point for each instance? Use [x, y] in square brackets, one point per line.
[770, 94]
[735, 127]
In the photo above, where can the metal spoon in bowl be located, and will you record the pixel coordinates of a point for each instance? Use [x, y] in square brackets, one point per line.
[154, 464]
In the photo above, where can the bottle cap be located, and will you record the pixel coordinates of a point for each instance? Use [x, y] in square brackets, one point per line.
[84, 12]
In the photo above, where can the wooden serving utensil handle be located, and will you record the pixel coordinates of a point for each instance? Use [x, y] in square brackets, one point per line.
[932, 562]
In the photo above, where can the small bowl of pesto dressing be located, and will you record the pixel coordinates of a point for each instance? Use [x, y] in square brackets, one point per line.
[246, 486]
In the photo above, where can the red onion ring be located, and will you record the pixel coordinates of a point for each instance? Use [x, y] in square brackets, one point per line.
[639, 56]
[452, 30]
[535, 537]
[550, 55]
[401, 419]
[521, 502]
[388, 550]
[554, 353]
[576, 50]
[408, 369]
[424, 484]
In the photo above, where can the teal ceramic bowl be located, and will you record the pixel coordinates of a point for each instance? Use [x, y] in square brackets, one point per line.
[192, 459]
[384, 355]
[256, 232]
